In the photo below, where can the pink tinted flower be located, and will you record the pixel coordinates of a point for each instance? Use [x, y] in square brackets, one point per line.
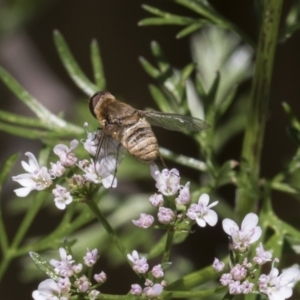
[278, 287]
[238, 272]
[37, 177]
[140, 265]
[64, 284]
[93, 294]
[218, 265]
[99, 173]
[153, 291]
[165, 215]
[62, 197]
[91, 143]
[90, 257]
[235, 288]
[167, 181]
[202, 212]
[226, 279]
[65, 154]
[248, 234]
[156, 200]
[49, 289]
[157, 271]
[64, 266]
[77, 268]
[145, 221]
[247, 287]
[262, 256]
[101, 277]
[136, 289]
[57, 169]
[184, 196]
[82, 284]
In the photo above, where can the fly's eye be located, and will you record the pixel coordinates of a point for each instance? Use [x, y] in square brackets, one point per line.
[94, 101]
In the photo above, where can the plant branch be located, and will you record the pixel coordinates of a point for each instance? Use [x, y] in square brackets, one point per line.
[258, 106]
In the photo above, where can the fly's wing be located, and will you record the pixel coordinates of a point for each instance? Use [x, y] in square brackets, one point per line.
[109, 154]
[174, 122]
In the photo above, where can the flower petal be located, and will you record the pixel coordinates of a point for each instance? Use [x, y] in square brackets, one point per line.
[228, 225]
[23, 192]
[211, 218]
[249, 222]
[204, 199]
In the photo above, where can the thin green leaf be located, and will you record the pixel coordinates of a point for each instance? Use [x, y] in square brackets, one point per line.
[159, 55]
[99, 76]
[160, 99]
[7, 167]
[228, 101]
[20, 120]
[161, 21]
[187, 71]
[207, 11]
[30, 133]
[183, 160]
[43, 265]
[200, 88]
[212, 94]
[292, 118]
[165, 14]
[189, 29]
[49, 119]
[149, 68]
[71, 65]
[202, 8]
[154, 10]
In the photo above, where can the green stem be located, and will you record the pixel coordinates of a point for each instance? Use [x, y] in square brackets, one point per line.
[168, 247]
[3, 239]
[257, 112]
[27, 220]
[98, 213]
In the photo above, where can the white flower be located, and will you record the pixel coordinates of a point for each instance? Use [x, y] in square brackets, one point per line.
[248, 234]
[157, 271]
[64, 267]
[65, 154]
[90, 257]
[218, 265]
[57, 169]
[167, 181]
[136, 289]
[145, 221]
[102, 171]
[278, 287]
[262, 256]
[140, 265]
[153, 291]
[49, 290]
[62, 197]
[37, 177]
[91, 143]
[202, 212]
[184, 195]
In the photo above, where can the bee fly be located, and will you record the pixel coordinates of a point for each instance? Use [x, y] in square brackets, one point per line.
[131, 128]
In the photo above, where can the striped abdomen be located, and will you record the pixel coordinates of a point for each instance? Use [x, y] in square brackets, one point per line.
[140, 141]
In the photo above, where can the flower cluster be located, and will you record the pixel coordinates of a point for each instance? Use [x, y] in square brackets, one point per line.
[177, 198]
[101, 171]
[154, 282]
[241, 279]
[69, 281]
